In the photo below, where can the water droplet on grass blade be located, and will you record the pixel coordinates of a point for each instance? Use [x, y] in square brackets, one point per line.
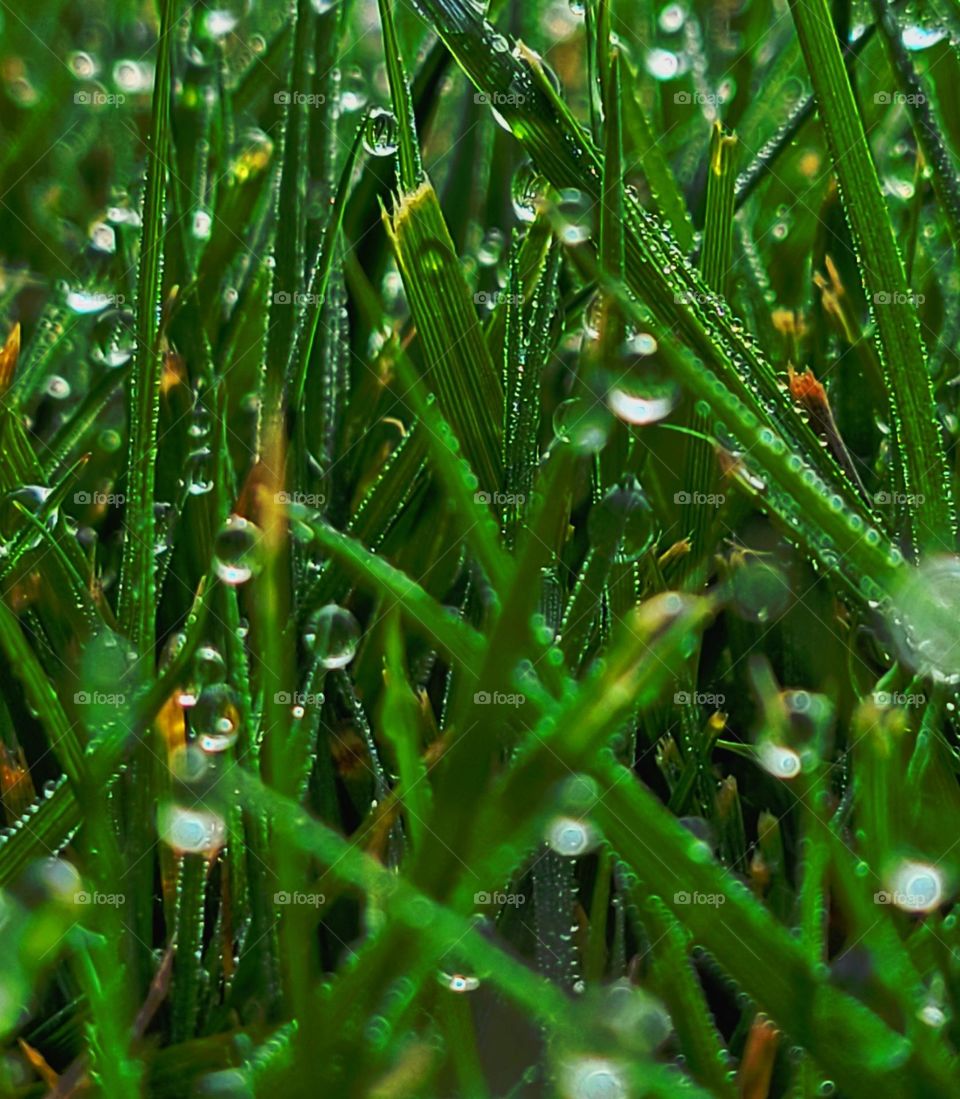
[527, 191]
[573, 211]
[915, 887]
[778, 760]
[236, 549]
[643, 398]
[191, 831]
[114, 342]
[924, 615]
[593, 1078]
[381, 134]
[215, 719]
[571, 837]
[583, 423]
[332, 635]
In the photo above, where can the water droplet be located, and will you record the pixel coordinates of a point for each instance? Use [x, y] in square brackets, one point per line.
[113, 341]
[353, 90]
[916, 886]
[573, 211]
[88, 301]
[381, 134]
[191, 831]
[202, 225]
[583, 423]
[918, 37]
[571, 837]
[215, 719]
[237, 550]
[527, 192]
[778, 760]
[662, 64]
[672, 18]
[332, 635]
[643, 398]
[924, 614]
[593, 1078]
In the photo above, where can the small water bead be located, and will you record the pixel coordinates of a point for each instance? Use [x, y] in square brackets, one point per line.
[583, 423]
[663, 65]
[381, 134]
[759, 591]
[574, 214]
[58, 388]
[643, 398]
[459, 982]
[321, 7]
[623, 522]
[209, 666]
[571, 837]
[88, 301]
[103, 238]
[133, 77]
[222, 16]
[202, 224]
[593, 1078]
[672, 18]
[353, 90]
[527, 192]
[191, 831]
[916, 886]
[113, 339]
[491, 248]
[332, 635]
[918, 37]
[779, 760]
[216, 718]
[237, 550]
[83, 65]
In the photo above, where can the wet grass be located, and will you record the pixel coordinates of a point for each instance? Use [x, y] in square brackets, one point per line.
[478, 554]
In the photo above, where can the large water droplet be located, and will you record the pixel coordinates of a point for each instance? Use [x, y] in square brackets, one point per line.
[381, 134]
[191, 831]
[237, 551]
[332, 635]
[216, 719]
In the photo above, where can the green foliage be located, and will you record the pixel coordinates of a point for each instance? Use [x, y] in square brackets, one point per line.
[478, 580]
